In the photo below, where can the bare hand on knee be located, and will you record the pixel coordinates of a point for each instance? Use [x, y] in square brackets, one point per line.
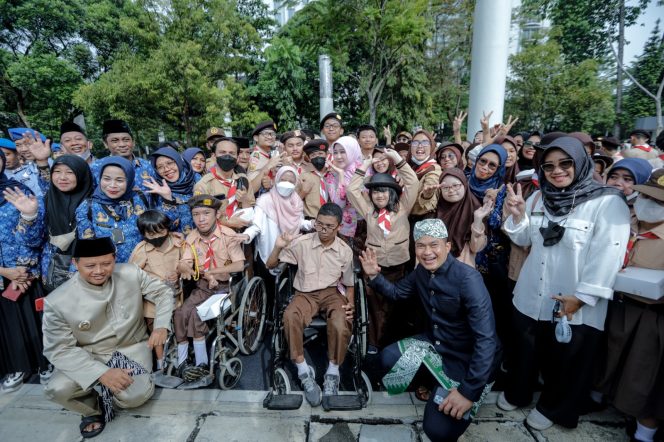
[116, 379]
[455, 404]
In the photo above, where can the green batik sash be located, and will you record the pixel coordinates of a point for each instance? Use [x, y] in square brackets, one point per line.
[414, 353]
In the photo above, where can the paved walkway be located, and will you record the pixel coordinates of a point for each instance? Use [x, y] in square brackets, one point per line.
[214, 415]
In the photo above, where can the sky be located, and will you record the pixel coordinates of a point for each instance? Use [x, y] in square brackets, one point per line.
[638, 34]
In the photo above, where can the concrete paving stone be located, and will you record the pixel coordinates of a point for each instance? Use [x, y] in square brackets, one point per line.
[381, 398]
[241, 396]
[507, 431]
[387, 433]
[585, 432]
[38, 425]
[372, 414]
[318, 431]
[129, 427]
[491, 412]
[251, 428]
[170, 394]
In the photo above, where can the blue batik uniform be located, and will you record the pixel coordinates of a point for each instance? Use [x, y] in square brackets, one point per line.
[28, 175]
[184, 222]
[143, 171]
[21, 240]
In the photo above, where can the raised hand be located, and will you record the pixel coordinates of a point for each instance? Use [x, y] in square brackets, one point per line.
[458, 121]
[387, 132]
[515, 202]
[506, 128]
[159, 189]
[484, 210]
[40, 150]
[330, 165]
[369, 262]
[484, 121]
[393, 155]
[429, 190]
[284, 240]
[26, 204]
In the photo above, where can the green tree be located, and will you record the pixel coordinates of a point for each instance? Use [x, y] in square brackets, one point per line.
[548, 93]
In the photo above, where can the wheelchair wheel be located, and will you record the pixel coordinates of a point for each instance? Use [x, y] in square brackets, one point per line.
[363, 321]
[170, 356]
[367, 390]
[281, 381]
[251, 319]
[229, 373]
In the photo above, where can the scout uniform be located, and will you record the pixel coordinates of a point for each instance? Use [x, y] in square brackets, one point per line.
[224, 190]
[86, 325]
[260, 158]
[314, 179]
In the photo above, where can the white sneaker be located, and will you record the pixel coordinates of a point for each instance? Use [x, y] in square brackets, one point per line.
[537, 420]
[12, 382]
[502, 403]
[45, 375]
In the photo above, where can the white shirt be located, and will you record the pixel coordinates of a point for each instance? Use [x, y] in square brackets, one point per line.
[584, 263]
[267, 232]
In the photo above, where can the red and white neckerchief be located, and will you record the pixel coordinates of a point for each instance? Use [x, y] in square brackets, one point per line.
[425, 165]
[632, 243]
[232, 205]
[209, 255]
[322, 198]
[268, 156]
[643, 148]
[384, 221]
[394, 173]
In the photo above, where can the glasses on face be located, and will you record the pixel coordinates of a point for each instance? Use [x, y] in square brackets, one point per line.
[331, 126]
[320, 227]
[529, 144]
[490, 164]
[423, 143]
[550, 166]
[452, 188]
[167, 165]
[268, 133]
[447, 156]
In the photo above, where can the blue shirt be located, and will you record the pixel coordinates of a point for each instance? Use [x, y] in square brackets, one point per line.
[21, 240]
[461, 322]
[28, 175]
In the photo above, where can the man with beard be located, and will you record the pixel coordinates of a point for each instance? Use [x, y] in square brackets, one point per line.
[227, 184]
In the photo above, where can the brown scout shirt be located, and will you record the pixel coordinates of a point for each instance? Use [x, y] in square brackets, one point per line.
[312, 199]
[209, 185]
[319, 267]
[227, 248]
[423, 206]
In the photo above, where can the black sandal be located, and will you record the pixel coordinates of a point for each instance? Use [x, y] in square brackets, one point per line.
[85, 421]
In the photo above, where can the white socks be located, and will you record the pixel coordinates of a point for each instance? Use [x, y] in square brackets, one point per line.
[183, 352]
[643, 433]
[332, 369]
[201, 352]
[302, 368]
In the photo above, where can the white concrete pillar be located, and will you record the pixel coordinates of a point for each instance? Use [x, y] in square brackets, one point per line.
[488, 72]
[325, 89]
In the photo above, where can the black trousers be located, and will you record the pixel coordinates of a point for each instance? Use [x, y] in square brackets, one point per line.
[567, 369]
[438, 426]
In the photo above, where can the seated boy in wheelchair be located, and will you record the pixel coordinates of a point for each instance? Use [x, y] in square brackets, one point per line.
[158, 254]
[212, 252]
[324, 283]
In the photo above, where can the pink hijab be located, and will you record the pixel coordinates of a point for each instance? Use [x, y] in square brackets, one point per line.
[286, 212]
[337, 190]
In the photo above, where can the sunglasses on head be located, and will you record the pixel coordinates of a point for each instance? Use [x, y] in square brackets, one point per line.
[549, 167]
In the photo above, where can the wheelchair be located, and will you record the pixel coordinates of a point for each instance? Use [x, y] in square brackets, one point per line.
[279, 397]
[238, 328]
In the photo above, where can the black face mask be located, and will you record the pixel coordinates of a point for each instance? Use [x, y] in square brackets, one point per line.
[226, 162]
[157, 242]
[318, 163]
[552, 233]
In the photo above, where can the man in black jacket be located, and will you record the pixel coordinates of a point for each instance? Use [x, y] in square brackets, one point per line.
[460, 349]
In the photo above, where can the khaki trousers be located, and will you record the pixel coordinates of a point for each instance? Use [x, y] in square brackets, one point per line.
[301, 311]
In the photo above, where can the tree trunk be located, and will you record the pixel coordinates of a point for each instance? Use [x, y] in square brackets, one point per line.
[619, 75]
[372, 107]
[20, 110]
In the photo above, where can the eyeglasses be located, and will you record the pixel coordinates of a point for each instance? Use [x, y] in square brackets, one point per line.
[490, 164]
[453, 187]
[530, 144]
[423, 143]
[331, 126]
[268, 133]
[447, 156]
[320, 227]
[167, 165]
[549, 167]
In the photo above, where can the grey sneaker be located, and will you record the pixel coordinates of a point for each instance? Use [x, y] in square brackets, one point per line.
[331, 385]
[311, 389]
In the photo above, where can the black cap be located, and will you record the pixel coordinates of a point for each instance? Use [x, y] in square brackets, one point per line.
[366, 127]
[242, 142]
[269, 124]
[603, 156]
[204, 201]
[90, 248]
[316, 145]
[401, 146]
[640, 133]
[115, 127]
[383, 180]
[70, 126]
[331, 115]
[611, 142]
[293, 134]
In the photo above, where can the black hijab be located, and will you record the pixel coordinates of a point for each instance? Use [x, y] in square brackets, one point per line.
[560, 202]
[6, 183]
[61, 206]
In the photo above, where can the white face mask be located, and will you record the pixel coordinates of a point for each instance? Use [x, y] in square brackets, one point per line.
[648, 210]
[285, 188]
[85, 155]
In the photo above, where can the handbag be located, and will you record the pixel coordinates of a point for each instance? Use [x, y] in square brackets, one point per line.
[57, 272]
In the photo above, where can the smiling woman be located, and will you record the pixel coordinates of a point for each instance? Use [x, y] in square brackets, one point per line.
[178, 175]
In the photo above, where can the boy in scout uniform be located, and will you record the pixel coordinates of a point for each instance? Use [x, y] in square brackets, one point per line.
[227, 184]
[293, 142]
[313, 190]
[332, 127]
[263, 158]
[211, 136]
[94, 333]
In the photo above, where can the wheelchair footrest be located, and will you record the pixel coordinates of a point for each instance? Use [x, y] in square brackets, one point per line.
[282, 401]
[342, 402]
[165, 381]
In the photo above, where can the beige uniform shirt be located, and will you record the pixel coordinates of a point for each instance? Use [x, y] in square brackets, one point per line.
[210, 185]
[159, 264]
[226, 248]
[257, 162]
[422, 205]
[311, 180]
[391, 250]
[84, 324]
[319, 267]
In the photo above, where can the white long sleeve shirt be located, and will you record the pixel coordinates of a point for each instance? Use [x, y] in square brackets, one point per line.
[584, 263]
